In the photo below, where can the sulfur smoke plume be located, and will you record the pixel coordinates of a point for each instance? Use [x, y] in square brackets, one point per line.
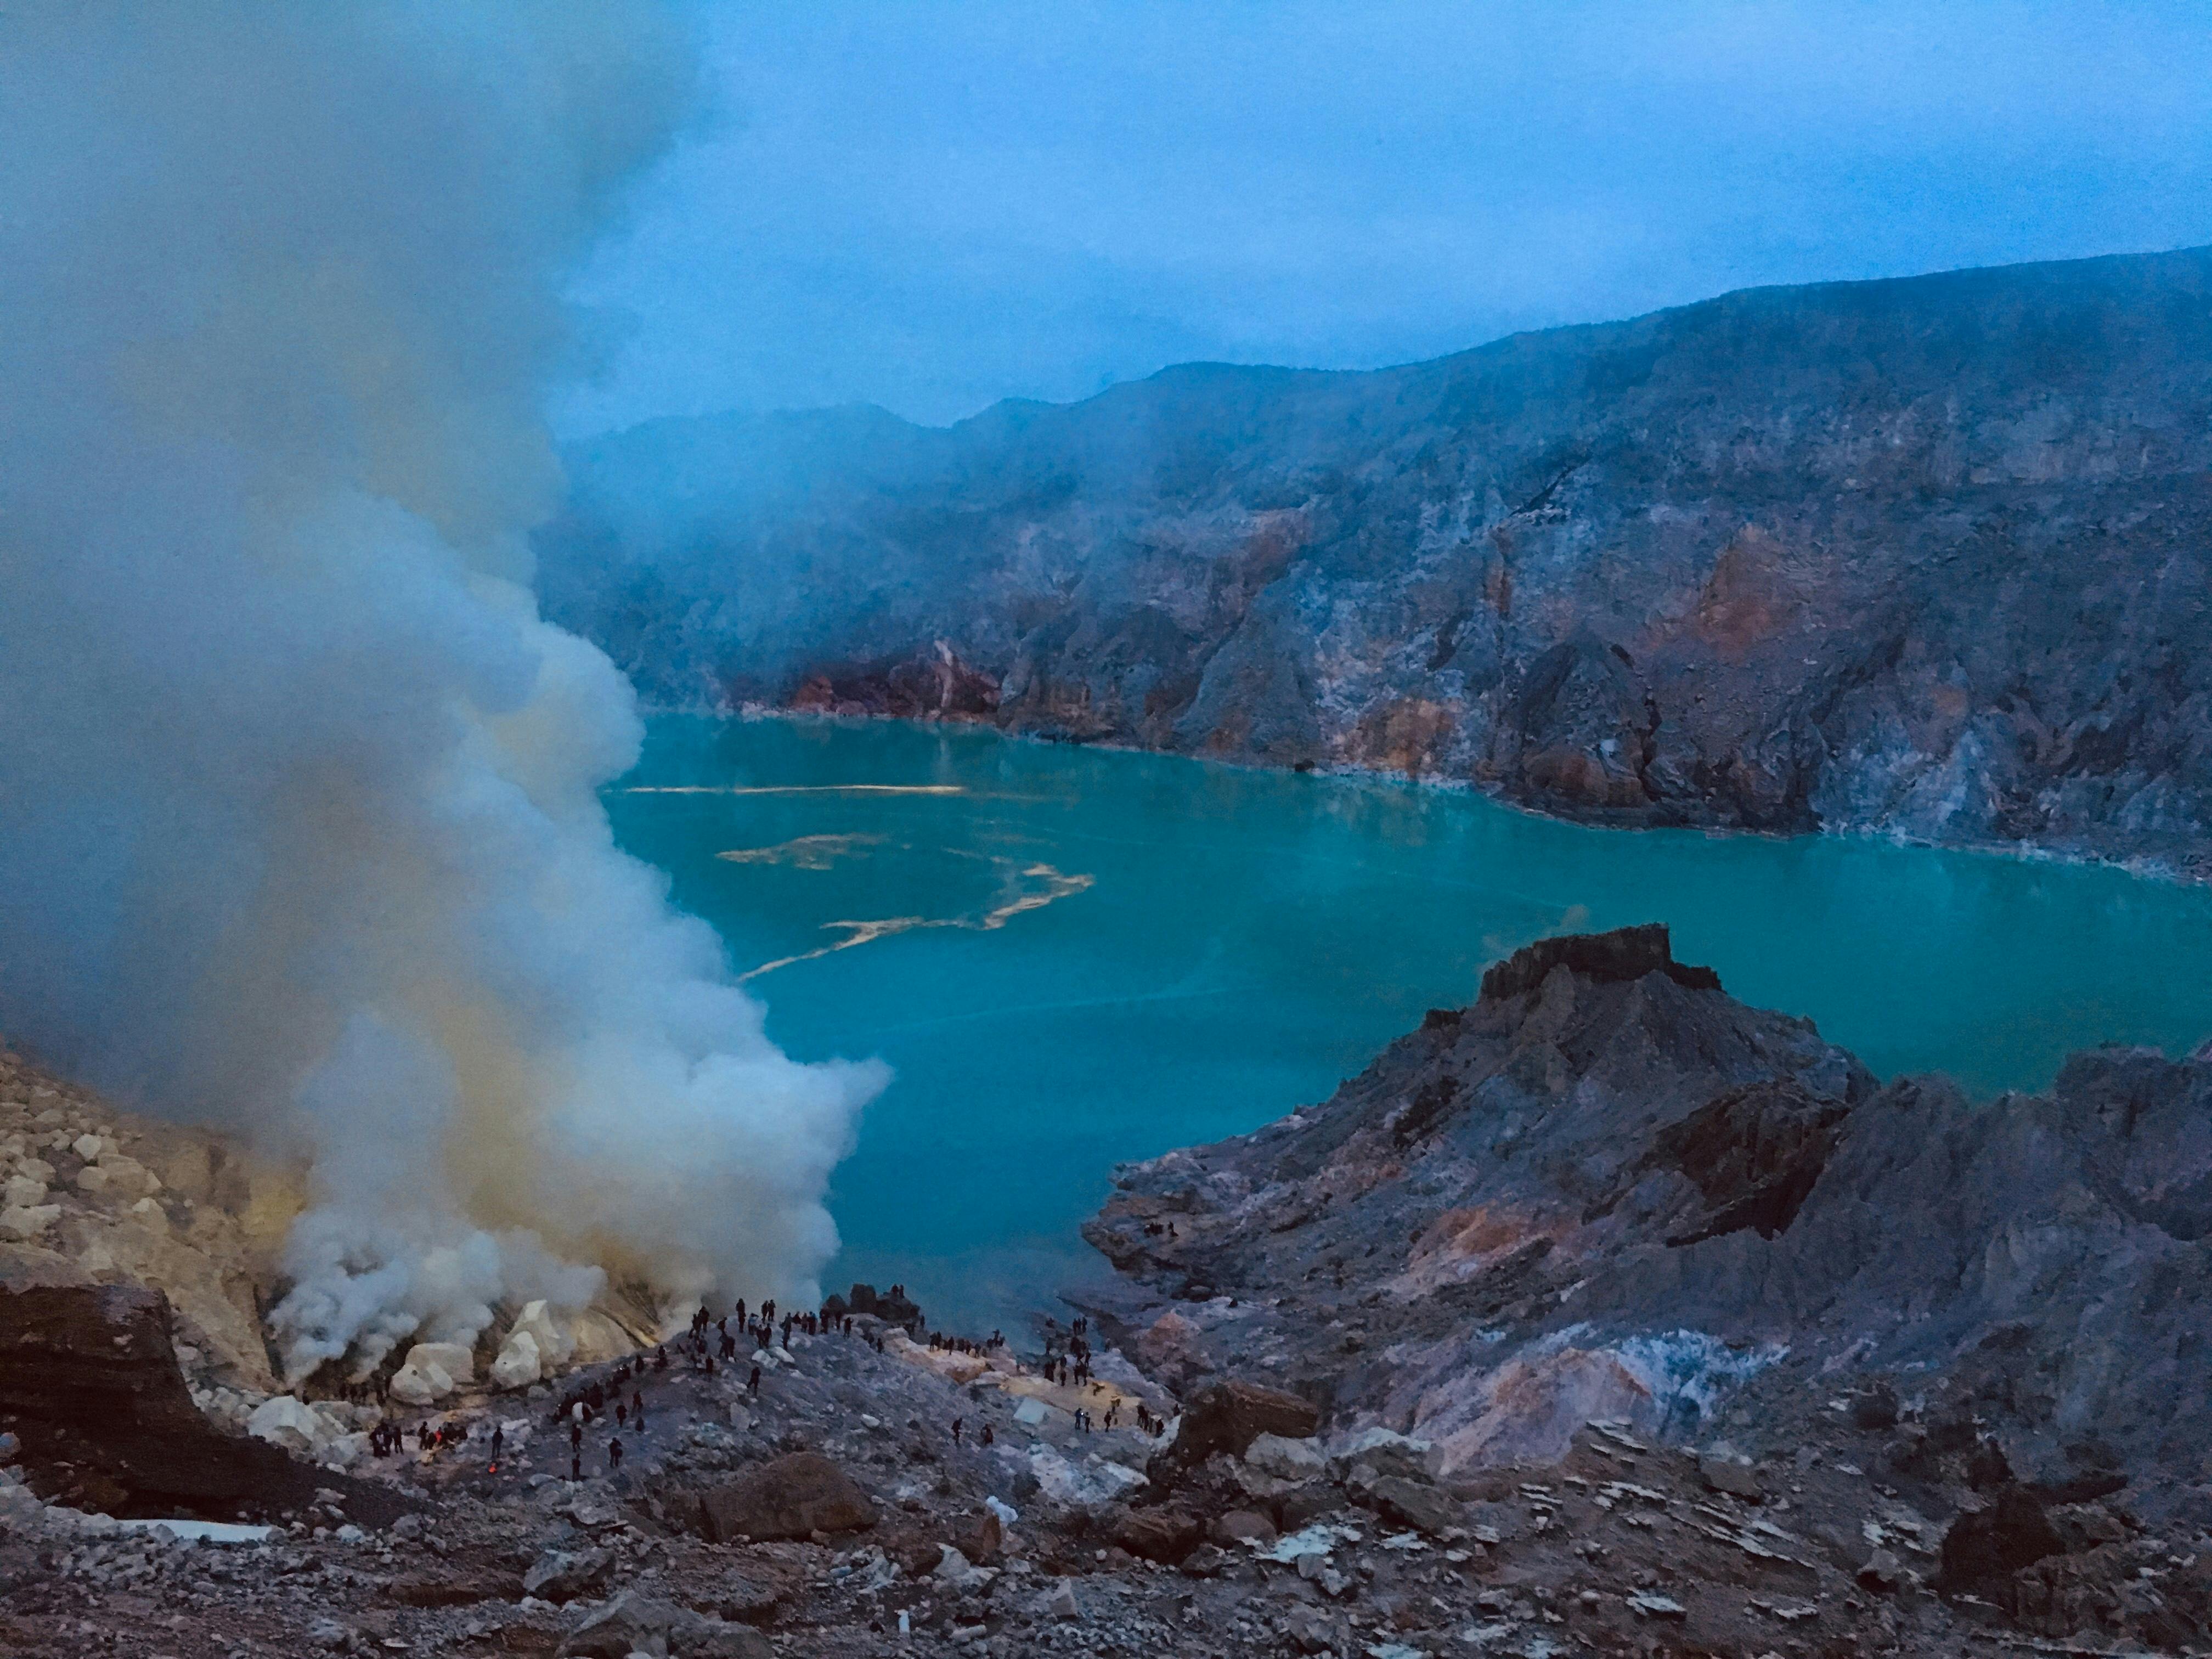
[298, 822]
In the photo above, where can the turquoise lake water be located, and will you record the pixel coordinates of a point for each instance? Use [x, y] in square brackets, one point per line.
[1075, 957]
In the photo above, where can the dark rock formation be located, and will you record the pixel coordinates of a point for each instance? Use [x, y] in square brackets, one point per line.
[1620, 956]
[795, 1495]
[89, 1384]
[1607, 1191]
[1924, 556]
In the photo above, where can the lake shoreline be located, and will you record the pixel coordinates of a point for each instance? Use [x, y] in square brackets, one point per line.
[2142, 867]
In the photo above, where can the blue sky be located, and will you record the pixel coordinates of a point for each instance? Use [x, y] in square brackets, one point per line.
[932, 206]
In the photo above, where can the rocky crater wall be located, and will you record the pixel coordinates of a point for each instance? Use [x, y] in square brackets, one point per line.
[1924, 556]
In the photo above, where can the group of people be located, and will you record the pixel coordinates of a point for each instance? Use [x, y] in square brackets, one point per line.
[1066, 1360]
[1070, 1364]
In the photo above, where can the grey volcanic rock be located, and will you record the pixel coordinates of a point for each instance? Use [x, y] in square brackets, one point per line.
[1924, 556]
[1594, 1197]
[790, 1497]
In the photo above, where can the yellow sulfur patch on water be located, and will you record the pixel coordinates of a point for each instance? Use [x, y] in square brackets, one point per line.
[806, 852]
[1051, 885]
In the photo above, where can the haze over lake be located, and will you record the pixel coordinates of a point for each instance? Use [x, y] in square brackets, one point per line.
[1073, 957]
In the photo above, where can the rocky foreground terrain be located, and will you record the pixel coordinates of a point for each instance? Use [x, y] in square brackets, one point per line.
[1607, 1316]
[1923, 557]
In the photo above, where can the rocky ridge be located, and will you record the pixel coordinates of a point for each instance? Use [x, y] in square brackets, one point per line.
[1608, 1207]
[1923, 557]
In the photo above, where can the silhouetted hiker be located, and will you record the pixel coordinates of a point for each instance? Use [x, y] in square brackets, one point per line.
[576, 1436]
[575, 1466]
[637, 1410]
[752, 1384]
[614, 1456]
[738, 1313]
[956, 1430]
[423, 1438]
[987, 1435]
[661, 1359]
[498, 1440]
[621, 1415]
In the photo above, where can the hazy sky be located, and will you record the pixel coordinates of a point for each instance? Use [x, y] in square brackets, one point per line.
[932, 206]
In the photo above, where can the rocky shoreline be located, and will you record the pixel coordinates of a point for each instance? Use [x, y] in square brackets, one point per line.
[1605, 1314]
[1920, 557]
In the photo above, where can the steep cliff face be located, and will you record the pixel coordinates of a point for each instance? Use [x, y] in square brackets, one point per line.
[1925, 557]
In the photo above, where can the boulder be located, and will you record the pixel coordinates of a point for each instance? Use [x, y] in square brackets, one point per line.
[795, 1495]
[87, 1147]
[555, 1343]
[1286, 1459]
[567, 1576]
[1059, 1602]
[126, 1174]
[980, 1537]
[519, 1364]
[1415, 1504]
[1375, 1452]
[1241, 1527]
[1228, 1416]
[452, 1358]
[1725, 1474]
[92, 1179]
[22, 1192]
[632, 1623]
[1164, 1535]
[956, 1572]
[28, 1221]
[419, 1385]
[291, 1423]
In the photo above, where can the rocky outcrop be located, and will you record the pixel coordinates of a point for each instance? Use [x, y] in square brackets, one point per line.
[1924, 556]
[1601, 1195]
[90, 1387]
[95, 1197]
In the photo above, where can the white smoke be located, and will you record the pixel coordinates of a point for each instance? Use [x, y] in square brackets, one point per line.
[298, 821]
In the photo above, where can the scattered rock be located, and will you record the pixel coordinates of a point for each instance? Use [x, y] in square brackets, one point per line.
[1059, 1602]
[561, 1575]
[1881, 1570]
[1725, 1474]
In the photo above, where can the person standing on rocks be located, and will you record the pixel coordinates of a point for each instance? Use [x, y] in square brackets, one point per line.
[614, 1455]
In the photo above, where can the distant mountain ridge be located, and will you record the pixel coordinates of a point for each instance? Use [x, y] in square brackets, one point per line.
[1925, 556]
